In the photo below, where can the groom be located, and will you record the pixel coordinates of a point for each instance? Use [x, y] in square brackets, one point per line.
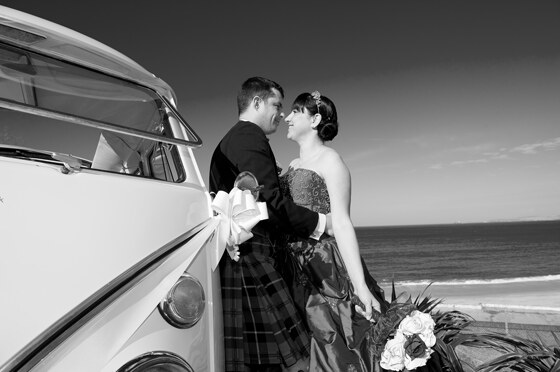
[262, 329]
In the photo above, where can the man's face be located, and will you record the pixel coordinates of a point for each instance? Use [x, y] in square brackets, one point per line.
[271, 112]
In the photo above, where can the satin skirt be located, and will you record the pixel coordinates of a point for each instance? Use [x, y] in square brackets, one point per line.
[323, 292]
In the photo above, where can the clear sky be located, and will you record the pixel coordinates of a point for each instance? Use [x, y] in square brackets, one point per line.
[449, 111]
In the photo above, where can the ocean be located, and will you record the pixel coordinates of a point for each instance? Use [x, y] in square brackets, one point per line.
[474, 253]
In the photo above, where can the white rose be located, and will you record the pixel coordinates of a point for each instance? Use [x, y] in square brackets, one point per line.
[429, 338]
[426, 319]
[411, 364]
[411, 325]
[393, 355]
[416, 323]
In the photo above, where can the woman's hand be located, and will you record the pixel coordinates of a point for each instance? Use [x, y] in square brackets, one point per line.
[369, 301]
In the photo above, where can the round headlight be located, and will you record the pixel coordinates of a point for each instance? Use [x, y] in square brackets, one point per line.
[184, 304]
[157, 362]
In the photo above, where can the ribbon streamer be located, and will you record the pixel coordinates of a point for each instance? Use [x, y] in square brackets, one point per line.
[238, 212]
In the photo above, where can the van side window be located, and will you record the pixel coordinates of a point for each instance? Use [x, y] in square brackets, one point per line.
[105, 123]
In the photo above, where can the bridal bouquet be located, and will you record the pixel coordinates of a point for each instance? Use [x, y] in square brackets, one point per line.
[411, 344]
[409, 336]
[403, 336]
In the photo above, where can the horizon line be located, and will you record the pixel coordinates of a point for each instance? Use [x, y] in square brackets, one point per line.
[465, 223]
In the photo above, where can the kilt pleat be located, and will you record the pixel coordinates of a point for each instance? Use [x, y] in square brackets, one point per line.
[261, 323]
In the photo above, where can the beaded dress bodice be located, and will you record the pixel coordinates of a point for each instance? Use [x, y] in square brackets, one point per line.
[306, 188]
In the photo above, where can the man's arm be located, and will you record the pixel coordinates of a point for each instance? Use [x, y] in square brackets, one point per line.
[253, 153]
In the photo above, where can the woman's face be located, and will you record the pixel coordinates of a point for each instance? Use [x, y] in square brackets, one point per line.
[299, 124]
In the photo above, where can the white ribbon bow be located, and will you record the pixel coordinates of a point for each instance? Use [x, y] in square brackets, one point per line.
[238, 213]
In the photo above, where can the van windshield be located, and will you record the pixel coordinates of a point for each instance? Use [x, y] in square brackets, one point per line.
[115, 125]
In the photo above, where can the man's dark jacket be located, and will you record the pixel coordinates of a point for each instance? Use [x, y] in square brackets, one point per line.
[246, 148]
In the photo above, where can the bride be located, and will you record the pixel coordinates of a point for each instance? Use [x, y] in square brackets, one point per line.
[329, 274]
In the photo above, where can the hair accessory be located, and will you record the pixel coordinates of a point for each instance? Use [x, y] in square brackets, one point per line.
[317, 97]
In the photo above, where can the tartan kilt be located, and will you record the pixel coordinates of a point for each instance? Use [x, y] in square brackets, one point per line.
[261, 323]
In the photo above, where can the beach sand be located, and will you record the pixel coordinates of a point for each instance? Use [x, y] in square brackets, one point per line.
[519, 302]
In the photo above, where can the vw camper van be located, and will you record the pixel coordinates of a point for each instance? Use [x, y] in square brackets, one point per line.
[107, 234]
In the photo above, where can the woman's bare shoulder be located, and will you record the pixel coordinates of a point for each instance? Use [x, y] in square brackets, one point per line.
[331, 154]
[332, 163]
[332, 158]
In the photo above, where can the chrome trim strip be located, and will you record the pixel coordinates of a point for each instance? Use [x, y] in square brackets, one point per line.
[53, 336]
[197, 142]
[20, 107]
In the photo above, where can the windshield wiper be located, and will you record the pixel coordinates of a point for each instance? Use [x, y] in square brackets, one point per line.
[70, 163]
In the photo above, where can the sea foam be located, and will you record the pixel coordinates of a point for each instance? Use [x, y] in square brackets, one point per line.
[544, 278]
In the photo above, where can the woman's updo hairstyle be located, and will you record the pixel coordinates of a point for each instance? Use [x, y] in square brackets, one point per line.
[315, 103]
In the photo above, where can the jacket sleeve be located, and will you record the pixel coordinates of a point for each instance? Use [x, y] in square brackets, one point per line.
[255, 155]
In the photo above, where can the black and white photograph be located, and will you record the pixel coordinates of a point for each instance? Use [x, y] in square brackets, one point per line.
[293, 186]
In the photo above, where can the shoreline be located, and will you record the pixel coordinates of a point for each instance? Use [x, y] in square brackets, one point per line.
[536, 302]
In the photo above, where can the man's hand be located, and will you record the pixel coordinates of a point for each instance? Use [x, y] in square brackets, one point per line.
[328, 228]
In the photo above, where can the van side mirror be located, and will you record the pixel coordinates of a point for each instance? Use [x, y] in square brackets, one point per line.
[247, 181]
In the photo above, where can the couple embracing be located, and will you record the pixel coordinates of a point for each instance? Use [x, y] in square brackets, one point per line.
[288, 303]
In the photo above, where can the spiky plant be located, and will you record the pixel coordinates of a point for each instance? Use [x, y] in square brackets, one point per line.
[518, 354]
[448, 326]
